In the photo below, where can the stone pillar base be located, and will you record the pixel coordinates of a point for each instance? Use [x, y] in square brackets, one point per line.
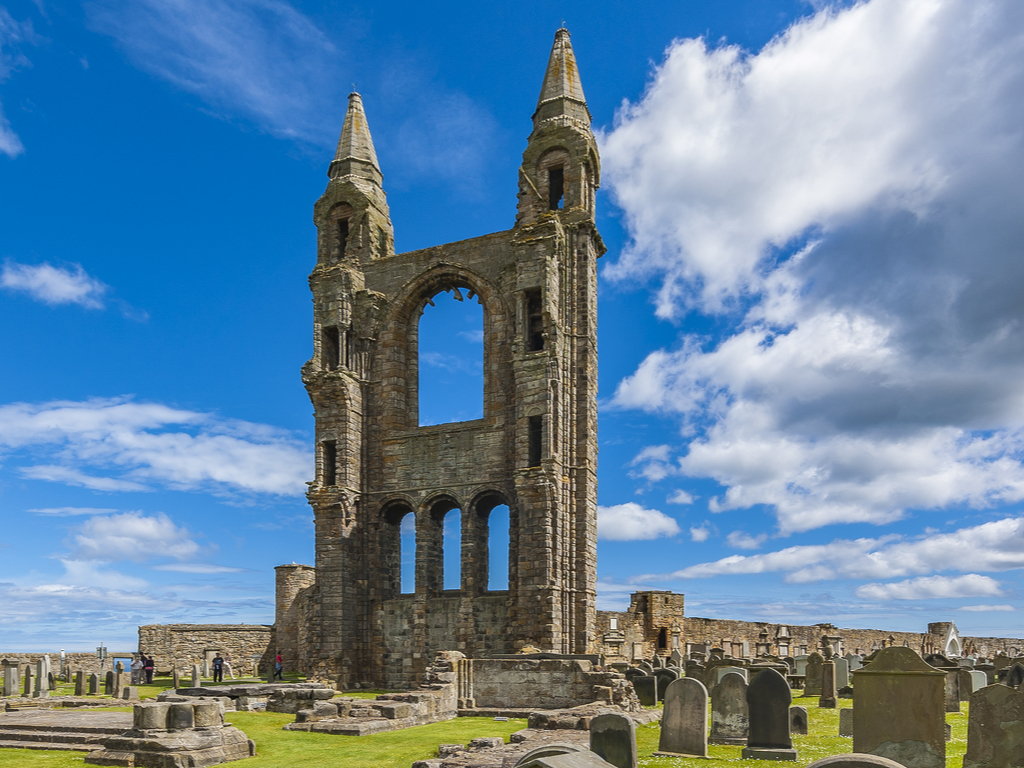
[768, 753]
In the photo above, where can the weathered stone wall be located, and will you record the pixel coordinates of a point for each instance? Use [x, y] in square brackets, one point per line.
[179, 646]
[536, 683]
[534, 449]
[291, 582]
[87, 662]
[654, 625]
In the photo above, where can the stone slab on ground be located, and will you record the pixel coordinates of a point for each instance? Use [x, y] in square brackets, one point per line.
[60, 729]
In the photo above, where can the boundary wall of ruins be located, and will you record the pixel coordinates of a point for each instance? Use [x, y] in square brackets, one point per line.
[179, 646]
[85, 661]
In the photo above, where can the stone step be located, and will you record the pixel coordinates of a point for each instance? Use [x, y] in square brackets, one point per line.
[48, 728]
[61, 747]
[55, 737]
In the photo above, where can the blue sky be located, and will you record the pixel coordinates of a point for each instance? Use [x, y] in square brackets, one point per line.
[811, 332]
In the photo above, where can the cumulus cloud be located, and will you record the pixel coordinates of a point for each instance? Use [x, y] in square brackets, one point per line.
[54, 285]
[120, 445]
[852, 197]
[994, 546]
[652, 463]
[680, 497]
[928, 587]
[743, 540]
[700, 533]
[131, 536]
[631, 522]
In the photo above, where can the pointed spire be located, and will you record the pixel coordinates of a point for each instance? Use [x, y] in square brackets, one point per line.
[356, 155]
[562, 92]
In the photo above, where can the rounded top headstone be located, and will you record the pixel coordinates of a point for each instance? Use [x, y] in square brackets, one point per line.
[855, 760]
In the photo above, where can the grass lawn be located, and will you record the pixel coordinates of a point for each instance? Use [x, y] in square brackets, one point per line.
[284, 749]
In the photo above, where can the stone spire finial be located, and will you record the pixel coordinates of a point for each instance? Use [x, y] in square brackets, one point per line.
[356, 155]
[562, 92]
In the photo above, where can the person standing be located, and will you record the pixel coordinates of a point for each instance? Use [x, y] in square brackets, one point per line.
[148, 665]
[278, 667]
[136, 667]
[227, 665]
[218, 669]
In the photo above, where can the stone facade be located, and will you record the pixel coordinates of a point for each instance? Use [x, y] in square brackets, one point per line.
[179, 646]
[653, 626]
[534, 450]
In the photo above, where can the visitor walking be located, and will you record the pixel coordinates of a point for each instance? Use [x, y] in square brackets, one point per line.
[278, 667]
[218, 669]
[136, 667]
[148, 665]
[227, 665]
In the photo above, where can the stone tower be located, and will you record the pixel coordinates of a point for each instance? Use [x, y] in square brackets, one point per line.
[534, 449]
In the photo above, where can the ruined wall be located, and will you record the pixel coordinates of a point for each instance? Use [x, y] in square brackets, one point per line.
[291, 582]
[179, 646]
[87, 662]
[538, 683]
[654, 625]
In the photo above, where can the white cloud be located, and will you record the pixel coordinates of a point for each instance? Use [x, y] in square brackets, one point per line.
[680, 497]
[118, 445]
[54, 285]
[91, 573]
[71, 511]
[852, 196]
[261, 59]
[995, 546]
[203, 568]
[631, 522]
[928, 587]
[743, 540]
[131, 536]
[653, 463]
[986, 608]
[700, 533]
[12, 35]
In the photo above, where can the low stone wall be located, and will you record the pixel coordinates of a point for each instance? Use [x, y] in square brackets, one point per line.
[179, 646]
[87, 662]
[540, 682]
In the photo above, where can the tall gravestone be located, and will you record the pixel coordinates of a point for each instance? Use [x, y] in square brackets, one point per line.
[842, 672]
[30, 680]
[1015, 676]
[729, 715]
[175, 680]
[613, 739]
[108, 684]
[899, 710]
[721, 672]
[197, 680]
[94, 684]
[812, 683]
[768, 702]
[684, 722]
[995, 728]
[42, 687]
[646, 687]
[80, 683]
[827, 700]
[665, 678]
[801, 664]
[11, 678]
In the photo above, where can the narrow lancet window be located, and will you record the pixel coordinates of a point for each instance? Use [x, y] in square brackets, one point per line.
[556, 188]
[342, 237]
[350, 350]
[329, 454]
[534, 321]
[329, 348]
[535, 433]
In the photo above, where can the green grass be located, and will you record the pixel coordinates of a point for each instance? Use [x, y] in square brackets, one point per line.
[399, 749]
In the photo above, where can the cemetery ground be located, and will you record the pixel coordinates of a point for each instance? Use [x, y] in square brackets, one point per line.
[276, 748]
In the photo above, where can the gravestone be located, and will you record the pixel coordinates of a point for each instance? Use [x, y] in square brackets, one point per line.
[646, 666]
[720, 672]
[108, 684]
[899, 709]
[842, 672]
[812, 683]
[130, 693]
[853, 660]
[768, 702]
[119, 680]
[197, 678]
[1015, 676]
[845, 692]
[978, 680]
[827, 700]
[846, 722]
[995, 728]
[665, 678]
[11, 678]
[80, 683]
[729, 720]
[989, 671]
[801, 664]
[175, 680]
[854, 760]
[684, 722]
[696, 671]
[965, 684]
[798, 721]
[646, 687]
[45, 676]
[613, 738]
[51, 682]
[952, 689]
[42, 687]
[30, 681]
[94, 684]
[676, 658]
[967, 662]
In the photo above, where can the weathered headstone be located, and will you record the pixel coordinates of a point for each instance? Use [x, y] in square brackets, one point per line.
[684, 723]
[801, 664]
[676, 658]
[51, 681]
[42, 687]
[697, 671]
[646, 687]
[768, 702]
[854, 760]
[798, 721]
[11, 678]
[108, 684]
[646, 666]
[846, 722]
[729, 720]
[1015, 676]
[812, 683]
[978, 680]
[30, 680]
[197, 678]
[720, 672]
[827, 700]
[613, 738]
[854, 661]
[120, 681]
[130, 693]
[94, 684]
[995, 728]
[842, 672]
[899, 710]
[175, 680]
[80, 683]
[665, 677]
